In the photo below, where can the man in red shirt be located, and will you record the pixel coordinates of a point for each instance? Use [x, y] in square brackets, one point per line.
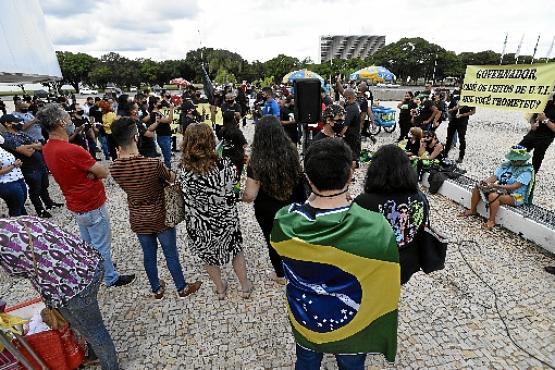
[79, 176]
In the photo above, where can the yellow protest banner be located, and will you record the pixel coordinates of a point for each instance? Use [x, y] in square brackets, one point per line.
[517, 87]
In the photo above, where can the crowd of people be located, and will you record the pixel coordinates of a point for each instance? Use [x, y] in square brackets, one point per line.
[320, 239]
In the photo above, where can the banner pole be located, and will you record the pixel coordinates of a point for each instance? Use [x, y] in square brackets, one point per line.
[550, 50]
[504, 48]
[517, 54]
[535, 49]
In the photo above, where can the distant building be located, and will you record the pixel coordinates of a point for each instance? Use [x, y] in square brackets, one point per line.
[348, 47]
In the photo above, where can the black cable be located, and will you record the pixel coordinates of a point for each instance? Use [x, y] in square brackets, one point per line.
[470, 241]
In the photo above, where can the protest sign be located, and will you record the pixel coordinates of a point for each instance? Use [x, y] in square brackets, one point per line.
[517, 87]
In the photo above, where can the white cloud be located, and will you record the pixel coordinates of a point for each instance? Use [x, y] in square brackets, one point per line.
[258, 29]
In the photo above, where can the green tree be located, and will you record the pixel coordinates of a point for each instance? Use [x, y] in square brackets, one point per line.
[280, 66]
[487, 57]
[412, 57]
[100, 75]
[75, 67]
[224, 76]
[149, 71]
[214, 60]
[449, 65]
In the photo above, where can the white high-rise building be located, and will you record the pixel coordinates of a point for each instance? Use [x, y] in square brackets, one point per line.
[348, 47]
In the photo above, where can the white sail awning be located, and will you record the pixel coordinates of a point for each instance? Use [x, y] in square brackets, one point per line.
[27, 52]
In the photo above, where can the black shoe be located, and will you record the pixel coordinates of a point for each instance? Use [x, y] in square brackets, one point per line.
[124, 280]
[44, 213]
[460, 160]
[550, 269]
[55, 205]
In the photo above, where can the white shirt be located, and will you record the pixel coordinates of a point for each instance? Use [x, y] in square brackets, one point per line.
[6, 159]
[87, 109]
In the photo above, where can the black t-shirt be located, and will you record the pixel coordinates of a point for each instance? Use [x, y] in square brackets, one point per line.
[81, 138]
[462, 110]
[320, 135]
[543, 131]
[425, 112]
[290, 129]
[97, 114]
[363, 105]
[406, 213]
[233, 145]
[442, 106]
[452, 104]
[431, 150]
[352, 120]
[404, 113]
[370, 97]
[267, 203]
[413, 147]
[163, 129]
[146, 145]
[235, 107]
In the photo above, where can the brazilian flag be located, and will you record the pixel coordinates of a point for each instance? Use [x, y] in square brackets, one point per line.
[342, 267]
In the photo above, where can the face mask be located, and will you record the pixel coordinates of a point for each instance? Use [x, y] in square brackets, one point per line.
[24, 110]
[338, 126]
[80, 112]
[229, 101]
[18, 126]
[70, 128]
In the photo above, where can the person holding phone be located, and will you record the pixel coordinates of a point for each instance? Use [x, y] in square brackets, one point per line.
[405, 107]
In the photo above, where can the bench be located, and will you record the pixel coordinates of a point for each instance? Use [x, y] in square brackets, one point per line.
[532, 222]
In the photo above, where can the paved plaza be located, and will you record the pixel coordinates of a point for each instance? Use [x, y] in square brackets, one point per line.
[447, 320]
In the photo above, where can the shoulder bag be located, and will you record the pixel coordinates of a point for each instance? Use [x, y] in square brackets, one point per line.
[432, 246]
[174, 204]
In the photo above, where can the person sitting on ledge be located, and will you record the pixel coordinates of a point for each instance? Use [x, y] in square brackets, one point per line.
[509, 185]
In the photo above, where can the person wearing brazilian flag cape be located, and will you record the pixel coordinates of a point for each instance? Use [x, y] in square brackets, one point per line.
[341, 262]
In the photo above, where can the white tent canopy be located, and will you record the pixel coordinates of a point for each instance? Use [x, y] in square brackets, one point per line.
[27, 52]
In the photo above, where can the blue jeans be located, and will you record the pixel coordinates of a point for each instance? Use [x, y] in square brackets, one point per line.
[310, 360]
[83, 314]
[165, 143]
[94, 227]
[104, 144]
[38, 183]
[168, 242]
[14, 194]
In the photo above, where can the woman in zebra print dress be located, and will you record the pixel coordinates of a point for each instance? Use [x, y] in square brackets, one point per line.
[210, 211]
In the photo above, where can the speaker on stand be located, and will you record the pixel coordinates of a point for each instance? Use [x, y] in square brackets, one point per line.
[308, 106]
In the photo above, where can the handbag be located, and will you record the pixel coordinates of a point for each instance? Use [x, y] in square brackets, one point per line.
[432, 246]
[53, 318]
[174, 204]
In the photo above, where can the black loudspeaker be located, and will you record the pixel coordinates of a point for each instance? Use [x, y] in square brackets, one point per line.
[308, 100]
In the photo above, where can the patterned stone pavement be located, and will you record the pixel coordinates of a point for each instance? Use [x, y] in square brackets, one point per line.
[447, 320]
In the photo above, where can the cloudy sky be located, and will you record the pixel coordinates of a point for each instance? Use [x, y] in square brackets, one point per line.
[261, 29]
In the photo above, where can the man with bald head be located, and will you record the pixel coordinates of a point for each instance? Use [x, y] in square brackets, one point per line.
[352, 123]
[365, 106]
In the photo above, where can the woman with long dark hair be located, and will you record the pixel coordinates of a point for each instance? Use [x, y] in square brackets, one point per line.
[233, 142]
[273, 180]
[391, 188]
